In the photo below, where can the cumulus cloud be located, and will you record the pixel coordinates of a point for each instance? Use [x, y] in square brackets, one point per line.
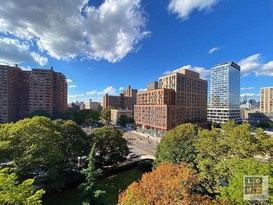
[14, 51]
[121, 88]
[202, 71]
[74, 28]
[109, 90]
[183, 8]
[213, 50]
[72, 86]
[247, 88]
[254, 64]
[68, 80]
[93, 92]
[250, 63]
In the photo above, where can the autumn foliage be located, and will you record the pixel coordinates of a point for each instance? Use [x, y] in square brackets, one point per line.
[167, 184]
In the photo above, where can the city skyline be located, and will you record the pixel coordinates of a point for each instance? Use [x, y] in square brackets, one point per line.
[134, 42]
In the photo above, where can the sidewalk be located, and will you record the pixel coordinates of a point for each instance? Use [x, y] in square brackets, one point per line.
[147, 137]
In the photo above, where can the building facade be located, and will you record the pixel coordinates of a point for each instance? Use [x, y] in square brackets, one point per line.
[225, 93]
[266, 101]
[125, 100]
[93, 105]
[22, 92]
[116, 113]
[180, 98]
[153, 85]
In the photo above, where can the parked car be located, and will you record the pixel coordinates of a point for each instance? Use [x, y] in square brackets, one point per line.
[132, 155]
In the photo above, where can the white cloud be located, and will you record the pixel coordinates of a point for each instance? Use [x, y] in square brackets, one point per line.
[183, 8]
[248, 88]
[250, 63]
[93, 92]
[266, 69]
[213, 50]
[39, 59]
[75, 96]
[202, 71]
[73, 28]
[254, 64]
[68, 80]
[72, 86]
[14, 51]
[250, 95]
[109, 90]
[121, 88]
[142, 89]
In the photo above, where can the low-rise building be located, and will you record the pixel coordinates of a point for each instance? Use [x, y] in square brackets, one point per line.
[117, 113]
[93, 105]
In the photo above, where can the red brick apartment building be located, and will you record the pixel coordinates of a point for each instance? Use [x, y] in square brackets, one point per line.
[180, 98]
[22, 92]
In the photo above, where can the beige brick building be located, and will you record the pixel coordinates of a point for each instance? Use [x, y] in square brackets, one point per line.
[116, 113]
[93, 105]
[22, 92]
[266, 104]
[181, 98]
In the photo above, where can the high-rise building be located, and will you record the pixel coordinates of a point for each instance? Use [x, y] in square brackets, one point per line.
[266, 104]
[225, 93]
[22, 92]
[125, 100]
[12, 95]
[180, 98]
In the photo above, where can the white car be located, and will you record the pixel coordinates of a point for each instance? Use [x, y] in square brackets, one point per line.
[132, 155]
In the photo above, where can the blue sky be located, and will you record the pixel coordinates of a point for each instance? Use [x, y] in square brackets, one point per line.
[104, 46]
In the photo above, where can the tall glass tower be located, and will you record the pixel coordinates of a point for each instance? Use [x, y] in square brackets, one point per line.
[225, 93]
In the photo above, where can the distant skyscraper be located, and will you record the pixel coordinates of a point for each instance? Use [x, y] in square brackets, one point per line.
[22, 92]
[266, 105]
[225, 93]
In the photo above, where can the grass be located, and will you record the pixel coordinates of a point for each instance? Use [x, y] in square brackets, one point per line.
[112, 186]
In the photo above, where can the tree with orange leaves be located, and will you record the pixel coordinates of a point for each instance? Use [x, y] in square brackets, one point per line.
[171, 184]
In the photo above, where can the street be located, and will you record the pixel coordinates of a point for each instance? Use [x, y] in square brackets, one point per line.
[140, 144]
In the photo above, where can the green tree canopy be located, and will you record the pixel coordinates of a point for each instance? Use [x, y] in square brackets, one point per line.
[39, 112]
[111, 147]
[238, 168]
[106, 113]
[217, 148]
[75, 142]
[13, 192]
[177, 145]
[34, 146]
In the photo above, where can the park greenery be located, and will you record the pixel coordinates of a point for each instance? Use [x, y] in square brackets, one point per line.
[219, 158]
[47, 151]
[13, 192]
[192, 165]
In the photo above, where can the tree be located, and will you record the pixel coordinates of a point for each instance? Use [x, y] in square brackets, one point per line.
[123, 120]
[13, 192]
[167, 184]
[91, 174]
[106, 113]
[34, 146]
[216, 149]
[75, 142]
[39, 112]
[233, 193]
[177, 145]
[111, 147]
